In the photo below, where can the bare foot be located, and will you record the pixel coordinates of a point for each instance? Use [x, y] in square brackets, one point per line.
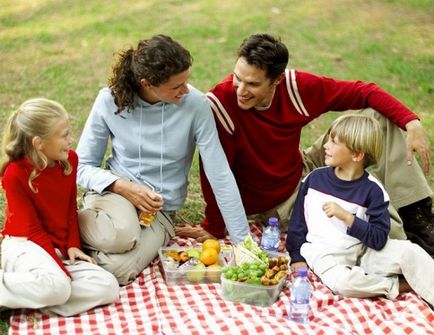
[404, 286]
[196, 232]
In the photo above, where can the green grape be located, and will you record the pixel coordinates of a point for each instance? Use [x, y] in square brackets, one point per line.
[254, 266]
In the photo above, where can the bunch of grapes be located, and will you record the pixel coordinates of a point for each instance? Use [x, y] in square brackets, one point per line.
[248, 272]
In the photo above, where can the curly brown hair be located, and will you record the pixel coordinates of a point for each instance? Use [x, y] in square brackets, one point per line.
[155, 59]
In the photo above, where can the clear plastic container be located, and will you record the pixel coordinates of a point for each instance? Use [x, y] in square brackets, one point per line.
[253, 294]
[188, 273]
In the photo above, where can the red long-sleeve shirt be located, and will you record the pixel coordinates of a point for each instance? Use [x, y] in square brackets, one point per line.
[48, 217]
[262, 146]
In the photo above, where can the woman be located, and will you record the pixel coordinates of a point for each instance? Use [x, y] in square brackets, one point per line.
[154, 120]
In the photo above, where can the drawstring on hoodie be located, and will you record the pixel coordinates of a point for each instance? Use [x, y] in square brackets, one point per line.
[139, 174]
[161, 147]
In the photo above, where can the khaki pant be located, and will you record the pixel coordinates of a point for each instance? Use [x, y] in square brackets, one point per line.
[110, 230]
[30, 278]
[404, 184]
[361, 272]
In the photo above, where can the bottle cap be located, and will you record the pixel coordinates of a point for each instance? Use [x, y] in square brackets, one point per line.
[273, 221]
[302, 272]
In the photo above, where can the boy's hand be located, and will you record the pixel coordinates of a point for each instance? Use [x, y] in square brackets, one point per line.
[331, 208]
[297, 265]
[75, 253]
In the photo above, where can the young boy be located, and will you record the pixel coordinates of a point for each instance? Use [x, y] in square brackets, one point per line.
[340, 222]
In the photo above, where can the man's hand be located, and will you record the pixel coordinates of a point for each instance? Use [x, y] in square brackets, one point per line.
[141, 196]
[417, 140]
[75, 253]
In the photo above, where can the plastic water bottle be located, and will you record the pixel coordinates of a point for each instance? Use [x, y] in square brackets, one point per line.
[271, 235]
[300, 294]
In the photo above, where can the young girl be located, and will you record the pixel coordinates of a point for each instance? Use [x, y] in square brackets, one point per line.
[42, 264]
[340, 223]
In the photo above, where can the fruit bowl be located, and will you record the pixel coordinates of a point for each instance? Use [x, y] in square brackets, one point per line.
[253, 282]
[251, 294]
[191, 271]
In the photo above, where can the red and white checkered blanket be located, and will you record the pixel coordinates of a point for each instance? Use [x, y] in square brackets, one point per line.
[148, 306]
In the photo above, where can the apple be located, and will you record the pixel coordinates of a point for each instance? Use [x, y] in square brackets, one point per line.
[193, 253]
[213, 273]
[196, 274]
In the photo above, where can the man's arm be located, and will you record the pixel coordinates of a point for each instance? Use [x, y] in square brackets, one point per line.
[321, 94]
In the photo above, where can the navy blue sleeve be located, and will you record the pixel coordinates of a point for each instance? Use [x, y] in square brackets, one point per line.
[374, 233]
[297, 228]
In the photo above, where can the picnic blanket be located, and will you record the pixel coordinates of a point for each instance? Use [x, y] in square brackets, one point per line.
[149, 306]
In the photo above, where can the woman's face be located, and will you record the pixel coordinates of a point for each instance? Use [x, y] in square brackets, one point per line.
[171, 91]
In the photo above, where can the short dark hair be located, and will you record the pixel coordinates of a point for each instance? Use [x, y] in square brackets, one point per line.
[265, 52]
[155, 59]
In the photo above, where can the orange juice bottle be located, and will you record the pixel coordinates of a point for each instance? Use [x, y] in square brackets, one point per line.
[146, 218]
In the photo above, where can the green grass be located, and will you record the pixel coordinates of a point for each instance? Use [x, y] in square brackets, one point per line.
[63, 50]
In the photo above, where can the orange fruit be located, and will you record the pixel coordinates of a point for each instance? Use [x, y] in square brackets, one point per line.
[210, 243]
[209, 256]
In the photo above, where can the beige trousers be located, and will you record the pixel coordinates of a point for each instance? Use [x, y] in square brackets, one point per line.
[361, 272]
[110, 230]
[404, 184]
[30, 278]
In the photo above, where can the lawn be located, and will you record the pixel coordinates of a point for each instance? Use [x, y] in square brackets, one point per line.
[63, 50]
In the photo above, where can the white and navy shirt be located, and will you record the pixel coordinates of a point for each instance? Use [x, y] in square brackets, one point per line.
[364, 197]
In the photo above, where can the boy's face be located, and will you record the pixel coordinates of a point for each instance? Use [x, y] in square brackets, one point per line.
[337, 154]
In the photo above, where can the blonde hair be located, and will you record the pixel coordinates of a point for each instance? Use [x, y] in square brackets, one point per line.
[35, 117]
[360, 133]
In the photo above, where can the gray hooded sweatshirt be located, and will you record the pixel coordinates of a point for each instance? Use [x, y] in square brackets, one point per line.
[154, 144]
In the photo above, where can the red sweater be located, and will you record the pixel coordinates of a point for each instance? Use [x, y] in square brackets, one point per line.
[48, 217]
[262, 146]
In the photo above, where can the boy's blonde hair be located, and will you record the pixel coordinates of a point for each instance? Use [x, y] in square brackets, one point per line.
[35, 117]
[360, 133]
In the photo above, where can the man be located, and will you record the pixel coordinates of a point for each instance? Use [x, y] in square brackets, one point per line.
[260, 110]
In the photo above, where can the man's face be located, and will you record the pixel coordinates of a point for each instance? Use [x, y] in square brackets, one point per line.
[252, 86]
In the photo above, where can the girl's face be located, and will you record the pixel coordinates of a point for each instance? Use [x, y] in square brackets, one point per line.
[56, 146]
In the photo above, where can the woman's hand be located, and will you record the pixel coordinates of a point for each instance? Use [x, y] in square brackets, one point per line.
[141, 196]
[75, 253]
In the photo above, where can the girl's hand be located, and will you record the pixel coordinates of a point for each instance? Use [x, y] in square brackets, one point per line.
[75, 253]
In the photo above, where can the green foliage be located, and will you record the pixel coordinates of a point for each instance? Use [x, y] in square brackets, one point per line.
[63, 50]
